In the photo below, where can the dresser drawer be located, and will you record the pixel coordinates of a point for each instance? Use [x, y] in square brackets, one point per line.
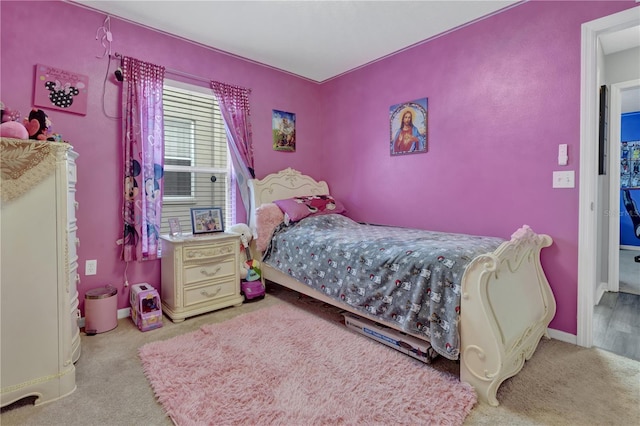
[203, 252]
[208, 293]
[209, 270]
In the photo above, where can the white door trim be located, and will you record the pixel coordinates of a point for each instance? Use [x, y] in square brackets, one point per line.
[587, 227]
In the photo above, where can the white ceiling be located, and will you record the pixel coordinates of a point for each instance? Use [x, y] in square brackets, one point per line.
[313, 39]
[320, 39]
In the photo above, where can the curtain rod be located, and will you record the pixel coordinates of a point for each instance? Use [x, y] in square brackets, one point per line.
[176, 72]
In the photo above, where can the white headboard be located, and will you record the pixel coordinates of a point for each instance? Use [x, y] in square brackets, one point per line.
[286, 183]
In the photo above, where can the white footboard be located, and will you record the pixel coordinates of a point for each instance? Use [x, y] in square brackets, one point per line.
[506, 307]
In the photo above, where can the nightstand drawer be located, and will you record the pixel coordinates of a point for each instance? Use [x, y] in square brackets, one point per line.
[204, 252]
[209, 292]
[209, 271]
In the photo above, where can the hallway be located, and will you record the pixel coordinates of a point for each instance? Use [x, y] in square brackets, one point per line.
[616, 324]
[616, 319]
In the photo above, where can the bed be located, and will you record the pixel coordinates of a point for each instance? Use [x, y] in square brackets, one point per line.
[488, 305]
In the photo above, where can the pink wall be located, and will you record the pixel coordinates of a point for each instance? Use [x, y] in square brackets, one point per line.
[503, 93]
[71, 45]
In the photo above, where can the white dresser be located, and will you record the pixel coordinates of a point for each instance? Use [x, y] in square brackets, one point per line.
[200, 274]
[39, 333]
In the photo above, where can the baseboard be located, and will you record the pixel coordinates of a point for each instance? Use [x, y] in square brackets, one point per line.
[563, 336]
[600, 291]
[122, 313]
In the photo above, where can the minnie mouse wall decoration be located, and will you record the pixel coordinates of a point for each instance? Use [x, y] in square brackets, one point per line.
[60, 89]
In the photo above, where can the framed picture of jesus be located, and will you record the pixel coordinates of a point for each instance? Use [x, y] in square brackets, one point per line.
[408, 124]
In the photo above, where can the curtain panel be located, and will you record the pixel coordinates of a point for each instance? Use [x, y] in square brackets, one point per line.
[143, 158]
[234, 107]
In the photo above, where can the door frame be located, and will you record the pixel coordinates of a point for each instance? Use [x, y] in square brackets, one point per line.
[589, 203]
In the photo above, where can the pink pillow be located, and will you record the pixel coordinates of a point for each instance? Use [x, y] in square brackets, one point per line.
[268, 216]
[298, 208]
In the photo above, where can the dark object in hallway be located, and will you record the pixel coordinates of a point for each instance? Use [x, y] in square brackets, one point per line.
[632, 209]
[637, 258]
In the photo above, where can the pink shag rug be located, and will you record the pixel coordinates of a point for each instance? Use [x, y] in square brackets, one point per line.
[283, 365]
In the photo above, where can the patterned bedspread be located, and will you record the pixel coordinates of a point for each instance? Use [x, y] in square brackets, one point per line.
[407, 276]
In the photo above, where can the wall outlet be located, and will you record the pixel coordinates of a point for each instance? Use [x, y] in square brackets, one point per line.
[91, 267]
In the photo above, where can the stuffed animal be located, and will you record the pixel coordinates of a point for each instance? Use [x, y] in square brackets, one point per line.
[38, 125]
[249, 268]
[10, 127]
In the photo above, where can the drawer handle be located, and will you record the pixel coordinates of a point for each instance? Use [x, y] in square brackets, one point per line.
[76, 204]
[207, 294]
[209, 274]
[78, 242]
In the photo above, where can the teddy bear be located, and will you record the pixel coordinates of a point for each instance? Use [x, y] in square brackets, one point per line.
[249, 268]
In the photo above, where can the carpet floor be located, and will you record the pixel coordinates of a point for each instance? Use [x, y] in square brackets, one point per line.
[562, 384]
[284, 365]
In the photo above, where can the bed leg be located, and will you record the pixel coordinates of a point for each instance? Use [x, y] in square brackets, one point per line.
[485, 389]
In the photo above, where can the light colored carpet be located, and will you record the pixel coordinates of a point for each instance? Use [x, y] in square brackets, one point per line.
[285, 366]
[561, 385]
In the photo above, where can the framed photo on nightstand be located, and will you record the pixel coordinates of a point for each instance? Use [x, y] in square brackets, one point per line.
[206, 219]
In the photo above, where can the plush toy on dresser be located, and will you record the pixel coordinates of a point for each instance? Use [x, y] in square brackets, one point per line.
[10, 126]
[38, 125]
[251, 285]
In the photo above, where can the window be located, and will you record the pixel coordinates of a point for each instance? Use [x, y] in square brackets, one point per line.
[197, 170]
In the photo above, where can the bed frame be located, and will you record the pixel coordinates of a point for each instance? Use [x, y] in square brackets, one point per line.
[506, 301]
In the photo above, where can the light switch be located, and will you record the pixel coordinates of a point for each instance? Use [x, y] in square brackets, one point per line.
[564, 179]
[563, 156]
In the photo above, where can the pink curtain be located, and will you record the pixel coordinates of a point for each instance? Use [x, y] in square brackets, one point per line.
[234, 106]
[143, 158]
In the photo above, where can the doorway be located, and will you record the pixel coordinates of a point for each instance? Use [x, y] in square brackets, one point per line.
[618, 308]
[624, 273]
[592, 242]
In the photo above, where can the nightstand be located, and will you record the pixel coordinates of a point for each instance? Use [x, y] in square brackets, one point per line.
[200, 274]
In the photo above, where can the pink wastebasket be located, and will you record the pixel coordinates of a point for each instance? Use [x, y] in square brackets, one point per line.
[100, 310]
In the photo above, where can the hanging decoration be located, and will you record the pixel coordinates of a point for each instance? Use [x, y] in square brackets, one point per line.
[104, 34]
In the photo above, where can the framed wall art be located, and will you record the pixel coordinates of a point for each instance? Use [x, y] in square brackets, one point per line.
[206, 219]
[408, 123]
[59, 89]
[284, 131]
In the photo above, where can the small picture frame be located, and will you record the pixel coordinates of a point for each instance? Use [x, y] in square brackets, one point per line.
[175, 229]
[283, 131]
[205, 220]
